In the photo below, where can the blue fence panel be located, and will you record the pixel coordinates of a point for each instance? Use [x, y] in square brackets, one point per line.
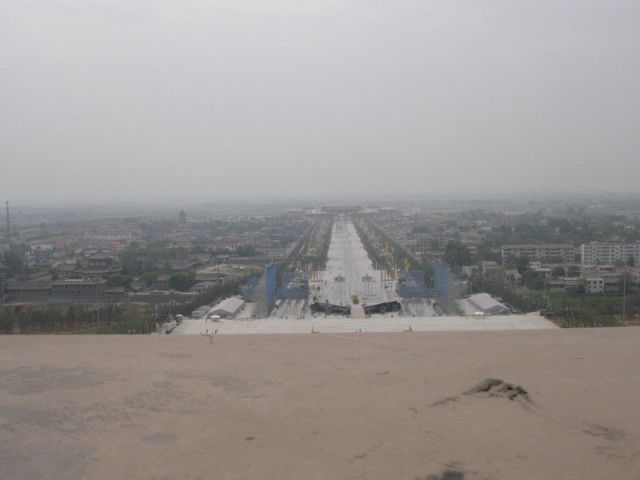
[287, 277]
[413, 276]
[297, 293]
[414, 292]
[271, 284]
[441, 280]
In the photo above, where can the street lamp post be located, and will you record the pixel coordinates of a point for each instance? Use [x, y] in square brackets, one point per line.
[624, 296]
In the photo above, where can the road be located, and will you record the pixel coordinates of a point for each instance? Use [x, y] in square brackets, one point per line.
[349, 272]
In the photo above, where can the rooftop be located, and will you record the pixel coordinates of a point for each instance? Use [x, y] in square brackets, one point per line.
[375, 406]
[538, 245]
[231, 304]
[80, 281]
[484, 301]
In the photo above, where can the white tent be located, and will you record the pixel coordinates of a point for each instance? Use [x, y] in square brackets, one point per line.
[227, 308]
[486, 304]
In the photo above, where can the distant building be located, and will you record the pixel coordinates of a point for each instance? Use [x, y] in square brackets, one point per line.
[26, 291]
[565, 252]
[93, 288]
[487, 266]
[594, 285]
[162, 282]
[344, 209]
[42, 252]
[469, 271]
[99, 262]
[610, 279]
[110, 236]
[162, 297]
[209, 274]
[609, 253]
[543, 272]
[297, 211]
[485, 303]
[512, 278]
[202, 287]
[228, 307]
[182, 217]
[562, 283]
[77, 290]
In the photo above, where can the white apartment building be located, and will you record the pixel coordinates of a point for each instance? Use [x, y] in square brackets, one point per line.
[609, 253]
[540, 251]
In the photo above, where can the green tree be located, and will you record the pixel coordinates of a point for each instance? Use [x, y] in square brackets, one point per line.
[485, 252]
[130, 262]
[573, 271]
[14, 262]
[522, 264]
[511, 262]
[456, 254]
[533, 280]
[149, 278]
[119, 281]
[182, 281]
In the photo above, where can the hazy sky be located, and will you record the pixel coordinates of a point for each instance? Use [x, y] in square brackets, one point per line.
[116, 100]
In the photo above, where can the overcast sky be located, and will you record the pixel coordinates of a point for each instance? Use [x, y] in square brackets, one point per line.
[153, 99]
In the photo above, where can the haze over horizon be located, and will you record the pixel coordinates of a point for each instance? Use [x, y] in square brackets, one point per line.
[107, 100]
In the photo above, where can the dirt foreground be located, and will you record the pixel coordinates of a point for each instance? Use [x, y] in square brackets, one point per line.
[562, 404]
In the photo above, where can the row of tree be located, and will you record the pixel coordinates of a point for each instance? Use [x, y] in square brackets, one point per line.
[312, 250]
[102, 318]
[382, 249]
[48, 318]
[13, 260]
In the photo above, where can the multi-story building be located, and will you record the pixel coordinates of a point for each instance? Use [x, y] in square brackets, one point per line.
[93, 288]
[609, 253]
[541, 251]
[562, 283]
[610, 279]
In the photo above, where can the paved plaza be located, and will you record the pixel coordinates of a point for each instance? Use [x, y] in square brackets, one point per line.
[337, 324]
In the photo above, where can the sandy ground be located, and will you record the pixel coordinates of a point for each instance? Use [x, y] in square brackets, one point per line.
[327, 406]
[373, 324]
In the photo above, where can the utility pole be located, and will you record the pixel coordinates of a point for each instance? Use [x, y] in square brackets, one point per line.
[624, 296]
[8, 225]
[2, 280]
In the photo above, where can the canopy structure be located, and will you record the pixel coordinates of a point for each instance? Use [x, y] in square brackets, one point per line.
[486, 304]
[228, 307]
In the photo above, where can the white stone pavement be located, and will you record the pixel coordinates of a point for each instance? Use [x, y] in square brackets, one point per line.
[531, 321]
[348, 258]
